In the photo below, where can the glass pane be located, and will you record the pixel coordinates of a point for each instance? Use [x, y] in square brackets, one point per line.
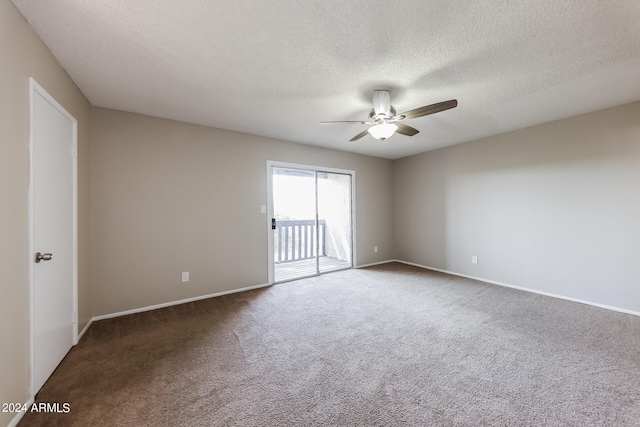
[294, 239]
[334, 221]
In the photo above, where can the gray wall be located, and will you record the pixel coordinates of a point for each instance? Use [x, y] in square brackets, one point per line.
[171, 197]
[23, 55]
[554, 208]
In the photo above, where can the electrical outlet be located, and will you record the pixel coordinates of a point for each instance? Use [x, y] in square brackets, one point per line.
[185, 276]
[375, 249]
[474, 259]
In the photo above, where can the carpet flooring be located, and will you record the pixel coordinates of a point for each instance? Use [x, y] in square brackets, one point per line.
[388, 345]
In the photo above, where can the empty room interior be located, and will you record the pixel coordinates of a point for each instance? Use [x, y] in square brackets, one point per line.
[320, 213]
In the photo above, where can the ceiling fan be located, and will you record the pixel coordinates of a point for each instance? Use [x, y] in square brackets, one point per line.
[386, 122]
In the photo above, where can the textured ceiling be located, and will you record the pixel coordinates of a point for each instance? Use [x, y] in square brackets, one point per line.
[276, 68]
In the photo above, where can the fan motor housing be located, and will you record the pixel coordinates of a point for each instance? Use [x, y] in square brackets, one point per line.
[375, 118]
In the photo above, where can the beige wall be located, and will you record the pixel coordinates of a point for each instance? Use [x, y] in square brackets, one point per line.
[23, 55]
[171, 197]
[554, 208]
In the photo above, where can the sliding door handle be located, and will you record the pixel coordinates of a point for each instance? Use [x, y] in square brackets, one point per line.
[43, 257]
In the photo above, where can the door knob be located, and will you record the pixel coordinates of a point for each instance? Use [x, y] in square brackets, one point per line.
[43, 257]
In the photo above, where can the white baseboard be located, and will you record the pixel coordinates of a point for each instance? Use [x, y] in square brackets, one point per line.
[86, 327]
[14, 422]
[168, 304]
[375, 263]
[520, 288]
[248, 288]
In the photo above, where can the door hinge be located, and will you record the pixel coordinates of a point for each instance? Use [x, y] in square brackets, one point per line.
[74, 151]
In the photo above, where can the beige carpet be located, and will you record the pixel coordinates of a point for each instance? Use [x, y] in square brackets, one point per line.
[389, 345]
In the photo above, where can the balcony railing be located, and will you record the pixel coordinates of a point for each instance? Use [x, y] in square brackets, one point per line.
[296, 239]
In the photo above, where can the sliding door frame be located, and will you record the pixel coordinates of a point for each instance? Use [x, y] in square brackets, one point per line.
[270, 211]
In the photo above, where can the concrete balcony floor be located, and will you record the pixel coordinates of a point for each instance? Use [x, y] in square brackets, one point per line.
[291, 270]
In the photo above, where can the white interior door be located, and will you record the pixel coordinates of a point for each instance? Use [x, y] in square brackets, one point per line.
[53, 234]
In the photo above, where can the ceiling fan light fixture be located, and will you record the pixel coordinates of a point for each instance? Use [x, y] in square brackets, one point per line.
[383, 116]
[383, 131]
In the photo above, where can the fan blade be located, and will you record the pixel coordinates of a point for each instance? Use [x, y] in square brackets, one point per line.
[406, 130]
[345, 121]
[430, 109]
[360, 135]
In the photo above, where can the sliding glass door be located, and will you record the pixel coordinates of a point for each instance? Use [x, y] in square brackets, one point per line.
[295, 233]
[311, 223]
[334, 212]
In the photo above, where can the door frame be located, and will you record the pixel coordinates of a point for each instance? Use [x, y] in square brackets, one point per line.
[35, 88]
[273, 163]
